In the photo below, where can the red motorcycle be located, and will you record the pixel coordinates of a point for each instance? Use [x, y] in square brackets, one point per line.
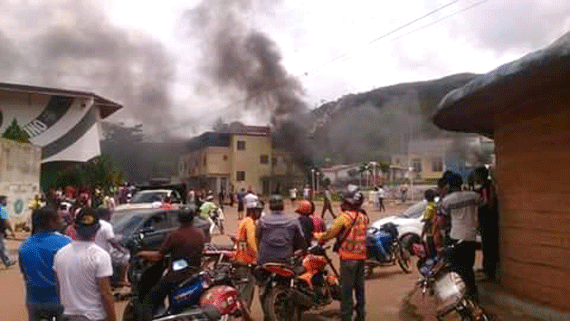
[302, 284]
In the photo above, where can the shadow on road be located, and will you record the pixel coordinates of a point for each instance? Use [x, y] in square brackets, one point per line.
[383, 274]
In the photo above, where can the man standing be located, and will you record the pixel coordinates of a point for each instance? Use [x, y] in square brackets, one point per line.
[293, 195]
[350, 229]
[246, 254]
[240, 199]
[4, 226]
[307, 192]
[36, 256]
[488, 221]
[185, 246]
[83, 271]
[381, 198]
[327, 206]
[251, 201]
[461, 208]
[105, 238]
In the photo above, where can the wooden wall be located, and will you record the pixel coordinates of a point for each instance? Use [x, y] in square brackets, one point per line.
[533, 176]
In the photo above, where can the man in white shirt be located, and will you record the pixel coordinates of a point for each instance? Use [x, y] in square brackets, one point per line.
[461, 207]
[83, 271]
[307, 192]
[251, 201]
[105, 238]
[381, 197]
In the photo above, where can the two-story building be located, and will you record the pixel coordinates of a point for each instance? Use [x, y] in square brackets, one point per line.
[242, 157]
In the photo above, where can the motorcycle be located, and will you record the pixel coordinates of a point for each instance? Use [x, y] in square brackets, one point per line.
[450, 290]
[206, 295]
[302, 284]
[216, 220]
[384, 248]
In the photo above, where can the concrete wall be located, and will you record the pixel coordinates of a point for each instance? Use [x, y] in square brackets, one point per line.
[217, 161]
[248, 160]
[65, 127]
[19, 177]
[533, 175]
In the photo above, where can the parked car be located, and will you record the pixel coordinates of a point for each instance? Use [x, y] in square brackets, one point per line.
[146, 199]
[155, 224]
[409, 224]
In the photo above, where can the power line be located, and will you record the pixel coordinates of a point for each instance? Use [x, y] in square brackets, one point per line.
[342, 56]
[346, 54]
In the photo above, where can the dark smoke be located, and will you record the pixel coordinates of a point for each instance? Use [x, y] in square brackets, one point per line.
[237, 57]
[71, 44]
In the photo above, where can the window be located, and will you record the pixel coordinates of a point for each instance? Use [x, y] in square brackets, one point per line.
[225, 157]
[437, 164]
[417, 165]
[264, 159]
[274, 161]
[240, 176]
[241, 145]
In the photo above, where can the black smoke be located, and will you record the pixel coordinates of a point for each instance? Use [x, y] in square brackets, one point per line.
[72, 44]
[238, 57]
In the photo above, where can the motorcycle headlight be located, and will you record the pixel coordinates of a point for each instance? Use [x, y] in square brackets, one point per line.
[449, 289]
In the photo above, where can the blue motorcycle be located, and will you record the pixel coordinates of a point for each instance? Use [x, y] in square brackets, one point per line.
[385, 249]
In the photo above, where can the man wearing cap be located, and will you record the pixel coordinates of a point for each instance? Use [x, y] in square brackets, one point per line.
[83, 270]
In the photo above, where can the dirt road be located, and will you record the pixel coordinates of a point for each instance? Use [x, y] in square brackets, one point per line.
[384, 291]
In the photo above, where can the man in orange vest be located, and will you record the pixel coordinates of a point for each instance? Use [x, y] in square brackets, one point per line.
[246, 254]
[350, 230]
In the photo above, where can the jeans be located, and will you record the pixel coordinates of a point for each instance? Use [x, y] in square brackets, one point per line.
[352, 279]
[463, 259]
[4, 251]
[45, 312]
[327, 207]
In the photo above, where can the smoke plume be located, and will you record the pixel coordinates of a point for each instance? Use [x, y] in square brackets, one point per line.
[236, 56]
[239, 58]
[71, 44]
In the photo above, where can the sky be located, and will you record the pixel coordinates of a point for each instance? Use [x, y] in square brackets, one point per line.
[153, 55]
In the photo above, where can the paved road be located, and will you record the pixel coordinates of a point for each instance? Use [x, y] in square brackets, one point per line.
[384, 291]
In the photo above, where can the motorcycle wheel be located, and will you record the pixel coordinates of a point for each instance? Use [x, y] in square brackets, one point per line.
[403, 258]
[278, 307]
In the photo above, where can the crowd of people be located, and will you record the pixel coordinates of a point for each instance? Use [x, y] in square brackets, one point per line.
[69, 258]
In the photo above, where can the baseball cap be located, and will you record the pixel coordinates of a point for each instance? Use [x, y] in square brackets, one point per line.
[87, 221]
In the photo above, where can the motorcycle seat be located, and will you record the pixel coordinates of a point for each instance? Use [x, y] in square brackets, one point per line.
[284, 270]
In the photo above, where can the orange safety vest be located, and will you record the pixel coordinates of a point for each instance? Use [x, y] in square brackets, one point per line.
[354, 245]
[245, 252]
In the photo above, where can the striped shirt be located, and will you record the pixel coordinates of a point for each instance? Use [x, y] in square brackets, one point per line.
[462, 207]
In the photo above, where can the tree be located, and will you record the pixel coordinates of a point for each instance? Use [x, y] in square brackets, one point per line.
[14, 132]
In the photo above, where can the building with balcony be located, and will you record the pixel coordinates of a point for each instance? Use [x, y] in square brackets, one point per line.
[242, 157]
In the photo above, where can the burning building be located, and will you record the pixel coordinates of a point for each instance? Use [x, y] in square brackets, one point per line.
[241, 157]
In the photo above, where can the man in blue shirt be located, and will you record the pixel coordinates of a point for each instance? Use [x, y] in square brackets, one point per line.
[36, 263]
[4, 225]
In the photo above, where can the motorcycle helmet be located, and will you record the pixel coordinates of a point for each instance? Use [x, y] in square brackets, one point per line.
[186, 215]
[276, 203]
[305, 208]
[353, 196]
